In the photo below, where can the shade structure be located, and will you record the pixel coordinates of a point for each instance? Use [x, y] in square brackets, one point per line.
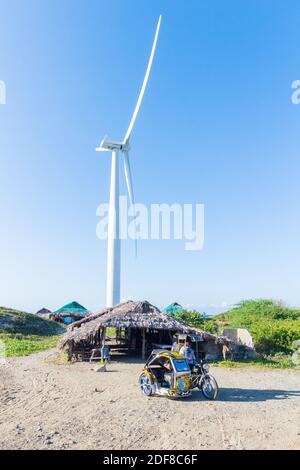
[137, 317]
[173, 308]
[70, 313]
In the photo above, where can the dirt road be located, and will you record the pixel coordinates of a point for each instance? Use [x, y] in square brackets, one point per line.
[48, 406]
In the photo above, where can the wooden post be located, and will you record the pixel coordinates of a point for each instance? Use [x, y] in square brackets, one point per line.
[160, 336]
[144, 344]
[103, 336]
[129, 337]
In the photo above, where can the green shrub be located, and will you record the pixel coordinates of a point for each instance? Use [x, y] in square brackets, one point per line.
[197, 320]
[271, 337]
[272, 325]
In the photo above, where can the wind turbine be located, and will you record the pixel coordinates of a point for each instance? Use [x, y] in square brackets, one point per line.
[113, 244]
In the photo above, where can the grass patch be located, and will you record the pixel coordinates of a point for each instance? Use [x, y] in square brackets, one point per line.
[278, 361]
[19, 345]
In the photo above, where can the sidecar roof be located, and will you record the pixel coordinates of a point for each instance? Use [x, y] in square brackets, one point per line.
[164, 354]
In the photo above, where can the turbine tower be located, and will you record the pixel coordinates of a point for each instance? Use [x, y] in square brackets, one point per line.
[113, 244]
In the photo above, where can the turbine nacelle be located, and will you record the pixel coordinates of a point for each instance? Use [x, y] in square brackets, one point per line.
[110, 145]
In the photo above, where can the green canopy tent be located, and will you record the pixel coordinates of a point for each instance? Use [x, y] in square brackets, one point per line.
[70, 313]
[173, 308]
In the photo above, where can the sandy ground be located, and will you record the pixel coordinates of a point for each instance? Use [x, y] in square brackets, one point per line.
[70, 406]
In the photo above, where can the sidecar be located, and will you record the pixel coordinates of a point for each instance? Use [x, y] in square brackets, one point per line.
[166, 374]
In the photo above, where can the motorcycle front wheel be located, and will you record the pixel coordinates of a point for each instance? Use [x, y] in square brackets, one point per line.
[209, 387]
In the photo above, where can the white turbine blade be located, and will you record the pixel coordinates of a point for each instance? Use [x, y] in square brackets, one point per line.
[128, 179]
[100, 149]
[140, 98]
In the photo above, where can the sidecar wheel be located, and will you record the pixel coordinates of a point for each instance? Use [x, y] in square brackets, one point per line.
[145, 385]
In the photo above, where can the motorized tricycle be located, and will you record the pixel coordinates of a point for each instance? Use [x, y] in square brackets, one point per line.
[169, 374]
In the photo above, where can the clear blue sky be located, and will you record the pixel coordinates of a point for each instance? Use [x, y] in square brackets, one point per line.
[217, 126]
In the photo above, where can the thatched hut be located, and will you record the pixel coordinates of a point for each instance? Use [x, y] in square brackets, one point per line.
[139, 326]
[44, 312]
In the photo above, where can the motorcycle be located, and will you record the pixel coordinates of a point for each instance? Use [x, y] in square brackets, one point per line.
[204, 381]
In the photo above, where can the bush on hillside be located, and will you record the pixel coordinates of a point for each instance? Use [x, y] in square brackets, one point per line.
[272, 325]
[197, 320]
[271, 337]
[15, 321]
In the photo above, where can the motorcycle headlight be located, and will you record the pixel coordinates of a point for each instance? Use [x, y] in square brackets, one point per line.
[205, 367]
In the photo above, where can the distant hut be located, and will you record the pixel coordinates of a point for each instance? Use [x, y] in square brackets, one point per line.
[140, 327]
[44, 312]
[70, 313]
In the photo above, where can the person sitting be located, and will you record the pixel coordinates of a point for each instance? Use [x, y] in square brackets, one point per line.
[175, 346]
[189, 354]
[168, 374]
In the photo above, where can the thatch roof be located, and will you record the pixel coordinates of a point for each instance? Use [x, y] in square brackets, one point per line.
[128, 314]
